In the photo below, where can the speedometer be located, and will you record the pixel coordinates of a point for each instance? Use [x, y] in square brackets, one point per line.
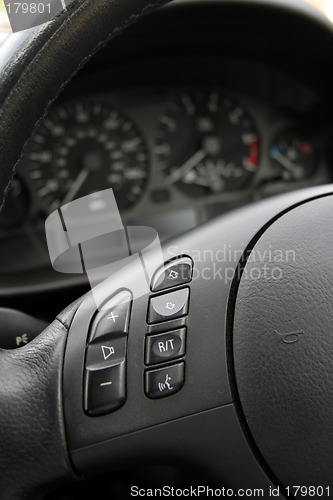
[207, 143]
[84, 147]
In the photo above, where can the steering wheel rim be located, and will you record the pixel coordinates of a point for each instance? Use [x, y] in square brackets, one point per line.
[38, 63]
[35, 67]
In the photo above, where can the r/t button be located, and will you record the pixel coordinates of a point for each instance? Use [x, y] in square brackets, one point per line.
[165, 346]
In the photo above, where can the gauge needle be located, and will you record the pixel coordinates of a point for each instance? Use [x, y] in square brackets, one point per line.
[187, 166]
[283, 160]
[293, 168]
[79, 181]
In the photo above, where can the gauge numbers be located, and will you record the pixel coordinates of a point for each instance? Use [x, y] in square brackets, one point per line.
[84, 147]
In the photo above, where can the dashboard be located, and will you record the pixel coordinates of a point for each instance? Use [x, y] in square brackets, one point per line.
[182, 131]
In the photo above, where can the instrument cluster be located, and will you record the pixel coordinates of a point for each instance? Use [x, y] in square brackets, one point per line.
[174, 157]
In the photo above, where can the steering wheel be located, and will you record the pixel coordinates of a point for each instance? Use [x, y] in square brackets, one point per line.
[226, 364]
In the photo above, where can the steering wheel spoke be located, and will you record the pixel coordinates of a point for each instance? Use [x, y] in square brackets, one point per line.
[153, 374]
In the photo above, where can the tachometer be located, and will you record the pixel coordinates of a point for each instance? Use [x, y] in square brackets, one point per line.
[207, 143]
[84, 147]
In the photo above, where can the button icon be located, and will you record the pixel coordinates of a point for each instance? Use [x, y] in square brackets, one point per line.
[172, 304]
[173, 273]
[107, 351]
[103, 384]
[113, 317]
[166, 346]
[165, 385]
[104, 389]
[162, 382]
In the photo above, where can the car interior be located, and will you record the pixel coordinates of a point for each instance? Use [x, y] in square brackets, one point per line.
[211, 121]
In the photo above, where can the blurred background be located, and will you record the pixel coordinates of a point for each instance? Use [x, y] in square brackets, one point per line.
[4, 23]
[325, 6]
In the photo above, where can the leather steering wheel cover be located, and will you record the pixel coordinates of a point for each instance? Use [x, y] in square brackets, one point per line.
[33, 439]
[33, 450]
[37, 64]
